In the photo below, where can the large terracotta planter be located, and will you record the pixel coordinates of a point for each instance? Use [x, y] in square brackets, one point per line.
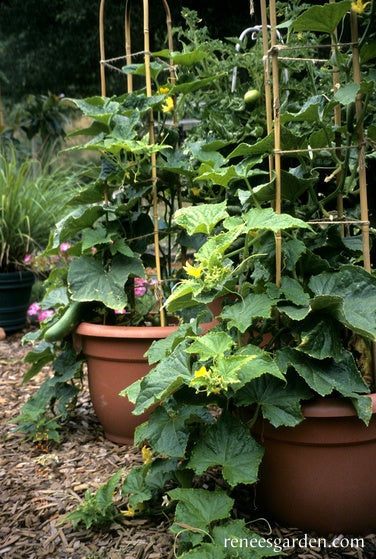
[320, 476]
[115, 358]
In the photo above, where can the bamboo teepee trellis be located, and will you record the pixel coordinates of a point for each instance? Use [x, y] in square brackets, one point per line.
[148, 84]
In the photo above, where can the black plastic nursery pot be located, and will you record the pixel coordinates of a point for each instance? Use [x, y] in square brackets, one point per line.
[320, 475]
[15, 293]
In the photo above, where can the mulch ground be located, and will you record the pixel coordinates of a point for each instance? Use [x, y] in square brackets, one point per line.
[37, 489]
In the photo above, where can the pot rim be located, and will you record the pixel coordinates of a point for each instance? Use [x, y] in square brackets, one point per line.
[333, 407]
[113, 331]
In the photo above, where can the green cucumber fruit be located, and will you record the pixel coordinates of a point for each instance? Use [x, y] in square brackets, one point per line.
[66, 324]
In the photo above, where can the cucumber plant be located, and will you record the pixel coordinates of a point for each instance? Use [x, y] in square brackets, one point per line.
[276, 344]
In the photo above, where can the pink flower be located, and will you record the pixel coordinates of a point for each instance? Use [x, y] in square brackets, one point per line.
[140, 282]
[34, 309]
[64, 247]
[123, 311]
[44, 315]
[139, 291]
[27, 258]
[93, 250]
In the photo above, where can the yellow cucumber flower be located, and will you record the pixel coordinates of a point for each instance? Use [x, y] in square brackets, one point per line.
[358, 6]
[168, 106]
[202, 372]
[147, 454]
[129, 512]
[192, 271]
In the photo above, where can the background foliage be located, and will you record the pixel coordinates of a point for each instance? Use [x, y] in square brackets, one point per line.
[53, 45]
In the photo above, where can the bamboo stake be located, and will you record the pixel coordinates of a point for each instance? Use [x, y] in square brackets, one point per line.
[128, 50]
[361, 144]
[361, 163]
[337, 123]
[277, 138]
[102, 48]
[267, 84]
[170, 40]
[172, 82]
[154, 177]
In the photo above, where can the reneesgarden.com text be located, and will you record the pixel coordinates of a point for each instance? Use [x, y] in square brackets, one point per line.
[283, 544]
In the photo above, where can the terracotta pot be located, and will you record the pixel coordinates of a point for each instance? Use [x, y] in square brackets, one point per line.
[115, 358]
[320, 475]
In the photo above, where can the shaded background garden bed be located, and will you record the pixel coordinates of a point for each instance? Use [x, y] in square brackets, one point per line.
[38, 488]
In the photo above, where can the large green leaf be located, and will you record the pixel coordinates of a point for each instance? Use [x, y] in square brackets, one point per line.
[229, 367]
[347, 93]
[98, 108]
[89, 280]
[211, 157]
[212, 343]
[363, 406]
[140, 70]
[124, 126]
[266, 219]
[292, 187]
[39, 356]
[279, 401]
[239, 455]
[162, 381]
[310, 111]
[233, 540]
[134, 485]
[221, 176]
[293, 291]
[160, 349]
[322, 340]
[242, 314]
[190, 57]
[166, 431]
[181, 296]
[201, 219]
[75, 222]
[262, 363]
[189, 87]
[198, 508]
[95, 236]
[221, 242]
[262, 147]
[351, 293]
[322, 18]
[324, 376]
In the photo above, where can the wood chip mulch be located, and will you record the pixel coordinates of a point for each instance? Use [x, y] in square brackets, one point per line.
[37, 489]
